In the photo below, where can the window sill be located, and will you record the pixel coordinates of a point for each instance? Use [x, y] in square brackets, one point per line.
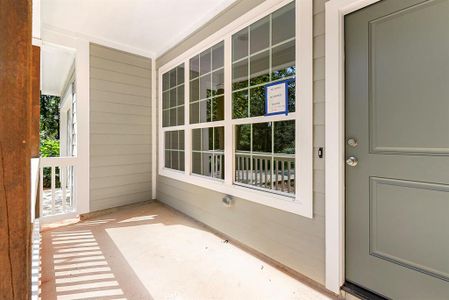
[281, 202]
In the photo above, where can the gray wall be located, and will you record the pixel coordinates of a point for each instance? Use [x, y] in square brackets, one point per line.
[293, 240]
[120, 132]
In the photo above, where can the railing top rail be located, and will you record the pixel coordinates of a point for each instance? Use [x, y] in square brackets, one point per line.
[58, 161]
[266, 155]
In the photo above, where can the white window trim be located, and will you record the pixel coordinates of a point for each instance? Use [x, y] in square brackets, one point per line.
[335, 139]
[302, 204]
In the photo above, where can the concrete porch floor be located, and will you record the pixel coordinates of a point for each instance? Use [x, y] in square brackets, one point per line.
[153, 252]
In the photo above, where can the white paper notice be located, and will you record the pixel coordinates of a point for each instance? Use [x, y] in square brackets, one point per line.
[276, 99]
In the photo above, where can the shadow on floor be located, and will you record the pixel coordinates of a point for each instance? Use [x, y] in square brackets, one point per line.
[153, 252]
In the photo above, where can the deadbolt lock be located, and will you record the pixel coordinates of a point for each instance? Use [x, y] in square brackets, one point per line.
[352, 142]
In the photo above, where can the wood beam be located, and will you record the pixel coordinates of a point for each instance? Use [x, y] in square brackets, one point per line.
[15, 116]
[35, 101]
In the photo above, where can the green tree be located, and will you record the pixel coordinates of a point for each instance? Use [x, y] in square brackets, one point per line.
[49, 127]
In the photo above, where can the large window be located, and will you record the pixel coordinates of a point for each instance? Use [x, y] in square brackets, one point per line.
[207, 105]
[264, 53]
[215, 130]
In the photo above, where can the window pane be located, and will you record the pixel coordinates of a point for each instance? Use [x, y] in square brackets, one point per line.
[205, 86]
[196, 139]
[167, 140]
[205, 62]
[218, 109]
[181, 139]
[172, 97]
[260, 35]
[174, 140]
[283, 60]
[167, 159]
[218, 82]
[218, 56]
[259, 68]
[291, 96]
[180, 95]
[194, 90]
[240, 104]
[181, 161]
[257, 102]
[165, 81]
[243, 137]
[194, 113]
[207, 139]
[195, 67]
[283, 24]
[219, 138]
[165, 100]
[205, 110]
[240, 44]
[175, 160]
[284, 137]
[166, 118]
[240, 74]
[196, 162]
[262, 137]
[219, 166]
[180, 74]
[207, 164]
[173, 78]
[180, 113]
[172, 117]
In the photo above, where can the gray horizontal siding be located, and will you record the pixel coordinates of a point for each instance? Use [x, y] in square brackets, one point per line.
[295, 241]
[120, 128]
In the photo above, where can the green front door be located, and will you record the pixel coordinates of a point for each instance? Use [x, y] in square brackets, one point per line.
[397, 146]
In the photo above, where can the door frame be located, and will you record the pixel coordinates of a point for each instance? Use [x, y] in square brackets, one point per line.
[335, 139]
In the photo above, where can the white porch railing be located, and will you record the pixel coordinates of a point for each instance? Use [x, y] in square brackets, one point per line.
[57, 186]
[266, 171]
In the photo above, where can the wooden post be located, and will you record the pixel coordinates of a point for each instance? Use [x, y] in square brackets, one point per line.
[35, 101]
[15, 116]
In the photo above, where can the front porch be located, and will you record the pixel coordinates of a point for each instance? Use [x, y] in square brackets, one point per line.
[150, 251]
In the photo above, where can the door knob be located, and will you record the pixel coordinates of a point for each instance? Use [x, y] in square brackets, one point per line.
[352, 161]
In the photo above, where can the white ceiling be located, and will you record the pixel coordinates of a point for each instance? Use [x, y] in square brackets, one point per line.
[143, 26]
[55, 66]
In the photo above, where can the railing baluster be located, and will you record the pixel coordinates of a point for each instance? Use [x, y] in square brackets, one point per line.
[53, 185]
[288, 176]
[282, 176]
[247, 163]
[62, 174]
[41, 191]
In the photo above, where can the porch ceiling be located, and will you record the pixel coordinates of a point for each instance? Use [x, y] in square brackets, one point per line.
[146, 26]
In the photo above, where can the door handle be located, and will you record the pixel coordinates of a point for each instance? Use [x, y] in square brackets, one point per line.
[352, 161]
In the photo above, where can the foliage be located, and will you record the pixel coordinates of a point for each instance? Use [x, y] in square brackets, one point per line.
[49, 133]
[49, 148]
[49, 126]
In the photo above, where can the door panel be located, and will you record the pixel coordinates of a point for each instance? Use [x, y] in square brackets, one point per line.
[397, 109]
